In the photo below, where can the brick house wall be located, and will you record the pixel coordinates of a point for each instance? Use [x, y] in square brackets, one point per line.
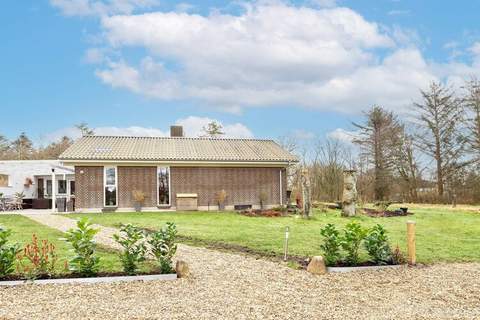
[89, 187]
[243, 185]
[137, 178]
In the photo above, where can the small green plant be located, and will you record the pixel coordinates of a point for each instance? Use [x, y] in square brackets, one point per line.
[42, 259]
[331, 244]
[134, 247]
[8, 253]
[376, 244]
[85, 262]
[353, 236]
[164, 247]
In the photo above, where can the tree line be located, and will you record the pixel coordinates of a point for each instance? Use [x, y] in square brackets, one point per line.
[432, 154]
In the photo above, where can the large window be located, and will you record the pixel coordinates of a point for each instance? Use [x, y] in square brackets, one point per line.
[49, 187]
[62, 186]
[72, 188]
[163, 174]
[110, 180]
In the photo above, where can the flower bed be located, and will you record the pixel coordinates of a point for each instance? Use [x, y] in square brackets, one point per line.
[38, 260]
[269, 213]
[342, 248]
[386, 213]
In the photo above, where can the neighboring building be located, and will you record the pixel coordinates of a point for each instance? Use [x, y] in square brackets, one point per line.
[34, 179]
[177, 172]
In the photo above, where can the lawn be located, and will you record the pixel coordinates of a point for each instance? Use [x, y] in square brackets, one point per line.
[23, 228]
[443, 234]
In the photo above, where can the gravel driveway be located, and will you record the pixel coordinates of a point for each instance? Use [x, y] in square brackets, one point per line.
[230, 286]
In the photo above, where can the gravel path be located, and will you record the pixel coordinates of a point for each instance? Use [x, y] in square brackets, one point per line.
[230, 286]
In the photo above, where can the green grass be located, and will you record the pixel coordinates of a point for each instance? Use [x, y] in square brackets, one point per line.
[443, 235]
[23, 228]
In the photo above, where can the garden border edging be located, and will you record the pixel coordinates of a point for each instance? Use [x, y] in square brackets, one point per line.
[362, 268]
[93, 280]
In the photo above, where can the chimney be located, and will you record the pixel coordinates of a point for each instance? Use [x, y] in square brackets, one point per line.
[176, 131]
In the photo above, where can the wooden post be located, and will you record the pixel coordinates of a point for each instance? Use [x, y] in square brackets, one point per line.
[411, 242]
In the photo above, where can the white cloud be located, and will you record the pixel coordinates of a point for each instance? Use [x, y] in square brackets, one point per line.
[272, 54]
[342, 135]
[94, 56]
[301, 134]
[101, 7]
[192, 127]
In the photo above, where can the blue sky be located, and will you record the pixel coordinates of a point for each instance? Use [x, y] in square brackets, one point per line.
[263, 69]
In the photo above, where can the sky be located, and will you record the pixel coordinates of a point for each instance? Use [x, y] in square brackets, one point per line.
[263, 69]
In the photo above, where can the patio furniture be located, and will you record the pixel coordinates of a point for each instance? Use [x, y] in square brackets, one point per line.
[3, 206]
[13, 204]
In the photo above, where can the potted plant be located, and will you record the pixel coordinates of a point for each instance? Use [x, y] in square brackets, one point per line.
[221, 197]
[138, 199]
[263, 196]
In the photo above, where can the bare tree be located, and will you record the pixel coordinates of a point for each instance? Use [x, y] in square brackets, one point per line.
[379, 138]
[4, 147]
[23, 147]
[439, 137]
[407, 168]
[472, 120]
[331, 157]
[55, 149]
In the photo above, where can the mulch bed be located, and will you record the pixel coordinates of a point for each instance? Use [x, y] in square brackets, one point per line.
[375, 213]
[263, 213]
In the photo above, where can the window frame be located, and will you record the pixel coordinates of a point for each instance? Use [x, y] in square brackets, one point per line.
[105, 185]
[58, 187]
[169, 187]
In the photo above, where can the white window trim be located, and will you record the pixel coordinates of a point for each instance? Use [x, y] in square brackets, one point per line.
[169, 188]
[105, 185]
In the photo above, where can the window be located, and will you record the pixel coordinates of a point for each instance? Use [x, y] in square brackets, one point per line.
[3, 180]
[49, 187]
[110, 180]
[62, 186]
[163, 174]
[72, 188]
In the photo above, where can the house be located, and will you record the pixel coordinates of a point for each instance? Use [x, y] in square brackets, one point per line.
[177, 172]
[34, 178]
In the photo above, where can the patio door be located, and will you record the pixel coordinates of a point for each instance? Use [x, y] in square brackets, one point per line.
[40, 190]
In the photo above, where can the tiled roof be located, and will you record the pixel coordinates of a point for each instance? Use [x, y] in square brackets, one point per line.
[176, 149]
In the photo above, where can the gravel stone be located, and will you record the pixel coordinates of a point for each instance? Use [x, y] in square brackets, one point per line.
[230, 286]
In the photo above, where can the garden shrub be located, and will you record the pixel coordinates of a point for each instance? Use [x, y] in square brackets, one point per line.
[85, 262]
[377, 246]
[331, 244]
[353, 236]
[42, 258]
[8, 253]
[134, 248]
[163, 246]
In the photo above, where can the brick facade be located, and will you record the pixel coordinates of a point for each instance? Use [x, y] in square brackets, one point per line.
[88, 187]
[137, 178]
[243, 185]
